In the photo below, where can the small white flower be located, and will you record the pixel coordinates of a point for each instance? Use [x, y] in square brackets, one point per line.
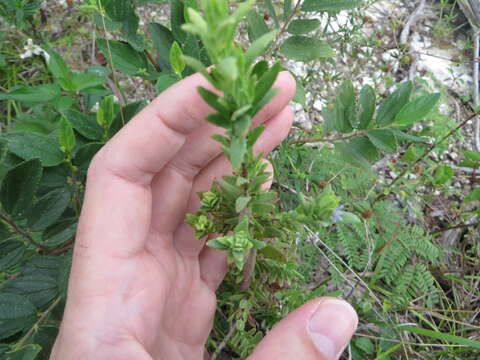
[96, 107]
[32, 49]
[115, 99]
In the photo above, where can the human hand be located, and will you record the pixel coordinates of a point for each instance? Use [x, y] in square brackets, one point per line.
[142, 287]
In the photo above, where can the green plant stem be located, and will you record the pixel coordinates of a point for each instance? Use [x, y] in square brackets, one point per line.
[152, 60]
[323, 139]
[419, 160]
[40, 320]
[295, 11]
[24, 233]
[248, 269]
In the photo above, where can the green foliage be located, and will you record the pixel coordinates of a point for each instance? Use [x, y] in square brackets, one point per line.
[327, 220]
[19, 12]
[330, 5]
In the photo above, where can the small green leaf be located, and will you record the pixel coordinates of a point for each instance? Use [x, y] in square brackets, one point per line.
[348, 97]
[198, 66]
[11, 254]
[162, 41]
[472, 155]
[473, 196]
[228, 69]
[303, 26]
[124, 57]
[219, 120]
[330, 5]
[16, 313]
[33, 94]
[259, 46]
[164, 81]
[177, 19]
[213, 100]
[271, 252]
[19, 187]
[63, 103]
[37, 288]
[81, 82]
[384, 140]
[351, 156]
[256, 25]
[302, 48]
[237, 151]
[57, 66]
[367, 106]
[254, 135]
[84, 124]
[364, 147]
[48, 209]
[443, 174]
[106, 112]
[242, 124]
[29, 146]
[416, 110]
[366, 345]
[66, 137]
[242, 203]
[215, 244]
[176, 60]
[266, 82]
[391, 106]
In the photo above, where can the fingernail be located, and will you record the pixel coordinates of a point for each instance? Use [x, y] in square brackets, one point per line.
[331, 327]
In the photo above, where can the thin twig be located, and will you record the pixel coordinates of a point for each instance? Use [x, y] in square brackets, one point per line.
[248, 269]
[152, 60]
[223, 343]
[410, 21]
[295, 10]
[323, 139]
[24, 233]
[459, 226]
[407, 169]
[40, 320]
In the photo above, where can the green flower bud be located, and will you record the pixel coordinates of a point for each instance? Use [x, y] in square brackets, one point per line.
[202, 224]
[209, 200]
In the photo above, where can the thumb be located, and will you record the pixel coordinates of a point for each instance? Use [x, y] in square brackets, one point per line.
[320, 330]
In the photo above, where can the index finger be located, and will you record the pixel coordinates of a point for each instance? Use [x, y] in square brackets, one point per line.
[118, 200]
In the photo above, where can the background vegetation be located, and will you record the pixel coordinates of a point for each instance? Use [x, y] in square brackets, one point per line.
[393, 141]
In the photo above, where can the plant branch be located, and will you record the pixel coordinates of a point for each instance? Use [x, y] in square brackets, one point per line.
[224, 342]
[152, 60]
[295, 10]
[248, 269]
[410, 21]
[40, 320]
[323, 139]
[419, 160]
[24, 233]
[459, 226]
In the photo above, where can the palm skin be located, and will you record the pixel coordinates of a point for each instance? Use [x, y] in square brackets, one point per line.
[142, 287]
